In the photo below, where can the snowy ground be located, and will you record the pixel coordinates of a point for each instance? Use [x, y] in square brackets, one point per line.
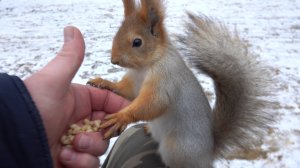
[31, 34]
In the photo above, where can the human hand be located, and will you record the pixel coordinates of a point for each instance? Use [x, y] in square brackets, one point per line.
[61, 104]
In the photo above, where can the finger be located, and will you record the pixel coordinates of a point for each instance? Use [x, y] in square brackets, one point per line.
[65, 65]
[91, 143]
[104, 100]
[98, 115]
[73, 159]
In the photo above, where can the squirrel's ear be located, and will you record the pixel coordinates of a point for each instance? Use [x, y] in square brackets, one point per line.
[152, 12]
[129, 7]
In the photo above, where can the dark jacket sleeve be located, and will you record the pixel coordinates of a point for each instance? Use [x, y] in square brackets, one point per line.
[23, 140]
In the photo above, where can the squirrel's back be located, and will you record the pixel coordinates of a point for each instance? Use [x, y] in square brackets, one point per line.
[240, 82]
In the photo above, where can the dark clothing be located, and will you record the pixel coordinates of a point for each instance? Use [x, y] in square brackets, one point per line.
[23, 140]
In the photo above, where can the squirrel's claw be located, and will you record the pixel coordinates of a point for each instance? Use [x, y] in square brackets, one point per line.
[102, 84]
[98, 83]
[117, 124]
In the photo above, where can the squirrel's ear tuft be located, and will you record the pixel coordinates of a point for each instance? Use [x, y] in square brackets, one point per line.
[129, 7]
[152, 12]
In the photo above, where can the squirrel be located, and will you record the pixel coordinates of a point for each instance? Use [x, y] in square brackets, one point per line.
[165, 92]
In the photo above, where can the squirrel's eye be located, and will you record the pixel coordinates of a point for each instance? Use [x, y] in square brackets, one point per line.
[137, 42]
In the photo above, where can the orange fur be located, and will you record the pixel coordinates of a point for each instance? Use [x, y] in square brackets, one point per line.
[146, 106]
[125, 88]
[129, 7]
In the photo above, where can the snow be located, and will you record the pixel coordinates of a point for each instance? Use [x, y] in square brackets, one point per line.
[31, 35]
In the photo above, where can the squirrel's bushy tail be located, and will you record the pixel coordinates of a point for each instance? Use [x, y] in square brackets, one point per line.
[240, 82]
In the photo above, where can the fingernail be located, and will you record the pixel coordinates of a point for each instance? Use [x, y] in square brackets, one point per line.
[67, 155]
[84, 142]
[68, 34]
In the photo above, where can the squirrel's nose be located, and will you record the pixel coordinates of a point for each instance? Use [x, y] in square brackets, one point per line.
[115, 57]
[115, 62]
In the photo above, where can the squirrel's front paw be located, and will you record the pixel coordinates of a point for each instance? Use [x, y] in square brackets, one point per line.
[117, 123]
[99, 83]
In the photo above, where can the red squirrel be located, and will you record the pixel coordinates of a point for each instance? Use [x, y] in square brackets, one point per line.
[165, 92]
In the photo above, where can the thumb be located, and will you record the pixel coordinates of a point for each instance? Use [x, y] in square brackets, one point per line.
[64, 66]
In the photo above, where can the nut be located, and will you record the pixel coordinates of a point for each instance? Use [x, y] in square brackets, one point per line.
[88, 126]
